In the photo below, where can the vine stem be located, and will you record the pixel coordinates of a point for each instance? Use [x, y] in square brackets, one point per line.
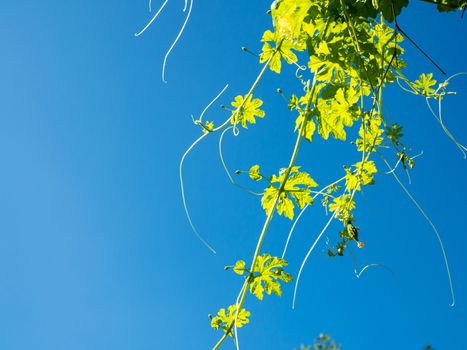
[199, 139]
[354, 39]
[240, 294]
[250, 92]
[269, 218]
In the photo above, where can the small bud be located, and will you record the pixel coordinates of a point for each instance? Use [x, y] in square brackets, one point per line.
[238, 172]
[244, 49]
[227, 268]
[210, 316]
[340, 251]
[223, 106]
[279, 90]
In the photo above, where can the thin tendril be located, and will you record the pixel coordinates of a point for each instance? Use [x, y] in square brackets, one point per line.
[293, 228]
[237, 311]
[456, 75]
[307, 255]
[221, 155]
[439, 118]
[153, 18]
[222, 126]
[446, 130]
[212, 102]
[404, 88]
[408, 176]
[435, 230]
[358, 274]
[399, 161]
[182, 187]
[177, 38]
[418, 155]
[300, 67]
[224, 165]
[395, 166]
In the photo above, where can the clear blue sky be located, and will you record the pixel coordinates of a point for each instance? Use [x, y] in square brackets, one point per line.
[95, 250]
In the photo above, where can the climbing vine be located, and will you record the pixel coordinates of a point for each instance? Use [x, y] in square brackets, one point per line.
[346, 52]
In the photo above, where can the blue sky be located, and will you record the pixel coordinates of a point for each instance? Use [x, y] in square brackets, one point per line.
[95, 250]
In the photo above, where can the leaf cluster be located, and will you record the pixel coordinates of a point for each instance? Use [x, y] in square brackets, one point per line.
[346, 53]
[265, 277]
[289, 188]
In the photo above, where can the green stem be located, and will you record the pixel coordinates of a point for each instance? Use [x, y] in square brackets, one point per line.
[227, 121]
[354, 38]
[270, 215]
[250, 92]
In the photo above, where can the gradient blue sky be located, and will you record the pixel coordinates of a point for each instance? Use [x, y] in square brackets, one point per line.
[95, 250]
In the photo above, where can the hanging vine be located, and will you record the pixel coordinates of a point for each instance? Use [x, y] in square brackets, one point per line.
[350, 51]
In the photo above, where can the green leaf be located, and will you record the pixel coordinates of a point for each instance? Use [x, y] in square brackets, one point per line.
[389, 8]
[289, 16]
[424, 84]
[269, 197]
[329, 122]
[394, 133]
[254, 173]
[310, 126]
[246, 110]
[239, 267]
[208, 126]
[337, 113]
[297, 188]
[285, 207]
[269, 52]
[225, 319]
[363, 174]
[370, 134]
[267, 273]
[323, 68]
[282, 49]
[343, 206]
[293, 104]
